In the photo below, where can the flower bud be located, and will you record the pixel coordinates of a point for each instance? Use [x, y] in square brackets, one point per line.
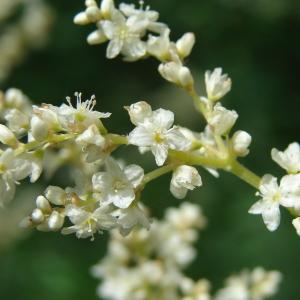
[56, 221]
[184, 178]
[138, 112]
[91, 136]
[93, 13]
[37, 216]
[96, 37]
[7, 137]
[296, 223]
[39, 128]
[43, 204]
[185, 44]
[55, 195]
[81, 19]
[15, 98]
[185, 77]
[107, 7]
[241, 140]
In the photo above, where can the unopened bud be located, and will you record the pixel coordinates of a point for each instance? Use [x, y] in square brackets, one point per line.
[81, 19]
[43, 204]
[56, 221]
[107, 7]
[39, 128]
[185, 77]
[138, 112]
[185, 44]
[241, 141]
[7, 137]
[37, 216]
[96, 37]
[55, 195]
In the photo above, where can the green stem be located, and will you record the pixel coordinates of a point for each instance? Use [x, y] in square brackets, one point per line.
[157, 173]
[245, 174]
[118, 139]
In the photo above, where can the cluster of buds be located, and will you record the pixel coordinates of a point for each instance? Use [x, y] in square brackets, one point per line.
[29, 31]
[150, 264]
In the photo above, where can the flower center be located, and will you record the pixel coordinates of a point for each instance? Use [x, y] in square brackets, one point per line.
[159, 138]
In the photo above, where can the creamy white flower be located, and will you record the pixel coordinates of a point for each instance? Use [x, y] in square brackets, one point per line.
[159, 46]
[117, 185]
[80, 117]
[12, 169]
[184, 178]
[241, 141]
[125, 36]
[87, 223]
[156, 133]
[217, 85]
[273, 195]
[91, 14]
[222, 120]
[56, 195]
[17, 121]
[91, 136]
[130, 217]
[288, 159]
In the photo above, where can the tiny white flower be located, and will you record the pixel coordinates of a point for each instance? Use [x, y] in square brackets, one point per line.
[91, 136]
[130, 217]
[39, 128]
[288, 159]
[17, 121]
[87, 223]
[117, 185]
[241, 141]
[125, 36]
[159, 46]
[222, 119]
[80, 117]
[273, 195]
[184, 178]
[217, 84]
[56, 195]
[156, 133]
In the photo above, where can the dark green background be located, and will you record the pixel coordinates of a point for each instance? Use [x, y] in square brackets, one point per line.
[257, 43]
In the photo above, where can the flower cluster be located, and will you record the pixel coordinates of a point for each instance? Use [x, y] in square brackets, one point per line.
[286, 193]
[150, 264]
[29, 31]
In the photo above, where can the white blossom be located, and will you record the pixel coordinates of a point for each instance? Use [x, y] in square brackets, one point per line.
[7, 137]
[87, 223]
[156, 133]
[138, 112]
[273, 195]
[185, 44]
[217, 84]
[221, 119]
[184, 178]
[117, 185]
[125, 36]
[288, 159]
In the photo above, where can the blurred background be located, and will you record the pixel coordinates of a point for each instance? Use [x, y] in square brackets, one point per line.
[257, 43]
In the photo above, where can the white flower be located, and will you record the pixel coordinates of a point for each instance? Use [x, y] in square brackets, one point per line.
[80, 117]
[87, 223]
[117, 185]
[125, 36]
[288, 159]
[130, 217]
[222, 119]
[217, 85]
[184, 178]
[273, 195]
[156, 133]
[12, 169]
[91, 136]
[56, 195]
[241, 141]
[159, 46]
[17, 121]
